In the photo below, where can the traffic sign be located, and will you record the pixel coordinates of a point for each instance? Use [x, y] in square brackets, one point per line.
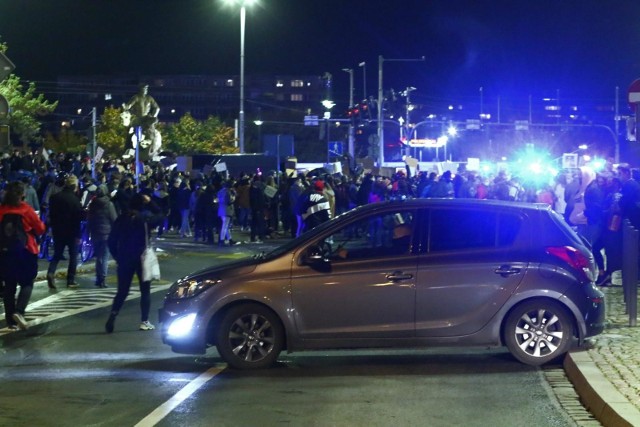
[311, 120]
[633, 94]
[6, 67]
[335, 148]
[4, 107]
[4, 136]
[473, 124]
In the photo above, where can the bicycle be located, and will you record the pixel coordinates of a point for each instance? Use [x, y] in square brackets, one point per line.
[46, 245]
[46, 240]
[86, 244]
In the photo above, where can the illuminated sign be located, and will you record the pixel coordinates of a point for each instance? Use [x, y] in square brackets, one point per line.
[427, 142]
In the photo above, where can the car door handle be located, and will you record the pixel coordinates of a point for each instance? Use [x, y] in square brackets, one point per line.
[399, 275]
[506, 270]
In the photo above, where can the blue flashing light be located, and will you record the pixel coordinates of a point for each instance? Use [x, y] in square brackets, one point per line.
[598, 164]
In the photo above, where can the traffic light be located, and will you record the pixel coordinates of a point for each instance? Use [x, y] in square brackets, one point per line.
[364, 110]
[354, 112]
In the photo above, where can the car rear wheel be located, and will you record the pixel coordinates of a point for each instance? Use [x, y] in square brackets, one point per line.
[538, 332]
[250, 336]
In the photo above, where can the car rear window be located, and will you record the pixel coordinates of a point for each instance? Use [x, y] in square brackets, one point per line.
[565, 229]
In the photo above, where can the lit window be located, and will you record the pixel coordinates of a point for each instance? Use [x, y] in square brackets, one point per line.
[229, 83]
[297, 83]
[296, 97]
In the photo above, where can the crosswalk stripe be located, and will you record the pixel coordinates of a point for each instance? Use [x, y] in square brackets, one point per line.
[68, 302]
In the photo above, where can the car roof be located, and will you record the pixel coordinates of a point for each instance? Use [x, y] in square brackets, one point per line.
[451, 202]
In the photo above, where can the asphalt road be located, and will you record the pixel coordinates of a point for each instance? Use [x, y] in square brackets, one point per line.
[66, 371]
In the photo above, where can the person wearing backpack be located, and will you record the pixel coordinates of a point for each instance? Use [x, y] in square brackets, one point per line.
[19, 226]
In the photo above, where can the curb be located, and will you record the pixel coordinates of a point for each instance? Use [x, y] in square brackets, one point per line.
[598, 394]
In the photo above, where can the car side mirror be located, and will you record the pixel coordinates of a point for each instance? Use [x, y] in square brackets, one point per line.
[315, 255]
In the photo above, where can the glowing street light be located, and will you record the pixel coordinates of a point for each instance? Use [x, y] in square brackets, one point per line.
[243, 11]
[328, 104]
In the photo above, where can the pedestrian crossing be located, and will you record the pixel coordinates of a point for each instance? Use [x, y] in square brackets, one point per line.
[65, 303]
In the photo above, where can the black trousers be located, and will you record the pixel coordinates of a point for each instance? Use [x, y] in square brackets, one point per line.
[59, 244]
[17, 271]
[126, 270]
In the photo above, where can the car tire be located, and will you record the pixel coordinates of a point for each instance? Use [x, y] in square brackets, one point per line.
[537, 332]
[250, 336]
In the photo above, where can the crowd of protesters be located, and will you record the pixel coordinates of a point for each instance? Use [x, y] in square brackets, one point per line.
[210, 208]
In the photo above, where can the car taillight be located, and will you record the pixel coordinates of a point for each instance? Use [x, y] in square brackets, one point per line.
[576, 259]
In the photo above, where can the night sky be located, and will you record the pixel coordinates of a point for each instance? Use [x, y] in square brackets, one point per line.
[584, 49]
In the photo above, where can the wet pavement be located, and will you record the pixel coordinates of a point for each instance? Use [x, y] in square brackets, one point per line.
[605, 372]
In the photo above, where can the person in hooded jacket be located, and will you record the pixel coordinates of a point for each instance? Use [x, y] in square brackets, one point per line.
[100, 217]
[128, 239]
[19, 268]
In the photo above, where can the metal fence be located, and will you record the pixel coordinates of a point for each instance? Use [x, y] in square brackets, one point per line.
[630, 259]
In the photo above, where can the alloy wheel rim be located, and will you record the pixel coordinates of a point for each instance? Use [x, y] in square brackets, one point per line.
[251, 337]
[539, 333]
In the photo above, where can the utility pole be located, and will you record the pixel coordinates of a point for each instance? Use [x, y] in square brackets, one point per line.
[351, 129]
[617, 115]
[93, 143]
[381, 61]
[364, 79]
[407, 94]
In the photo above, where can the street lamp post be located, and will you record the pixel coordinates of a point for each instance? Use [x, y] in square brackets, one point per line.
[351, 135]
[381, 61]
[243, 12]
[328, 105]
[363, 64]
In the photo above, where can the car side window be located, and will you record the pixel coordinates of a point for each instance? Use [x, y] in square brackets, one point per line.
[459, 229]
[508, 229]
[377, 235]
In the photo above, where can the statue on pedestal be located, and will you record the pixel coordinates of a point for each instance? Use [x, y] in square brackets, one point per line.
[142, 110]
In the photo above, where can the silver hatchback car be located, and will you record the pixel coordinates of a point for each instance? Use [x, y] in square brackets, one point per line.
[406, 273]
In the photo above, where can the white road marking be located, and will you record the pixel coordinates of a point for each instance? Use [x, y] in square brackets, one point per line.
[68, 302]
[187, 391]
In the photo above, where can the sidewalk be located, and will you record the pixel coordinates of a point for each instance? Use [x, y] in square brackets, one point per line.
[606, 373]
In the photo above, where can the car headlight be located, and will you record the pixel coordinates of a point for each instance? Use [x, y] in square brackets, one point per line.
[181, 326]
[190, 288]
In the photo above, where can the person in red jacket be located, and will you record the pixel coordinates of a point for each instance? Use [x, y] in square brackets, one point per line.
[20, 267]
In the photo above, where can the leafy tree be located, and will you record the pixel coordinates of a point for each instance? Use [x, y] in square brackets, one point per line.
[190, 136]
[26, 106]
[67, 141]
[111, 134]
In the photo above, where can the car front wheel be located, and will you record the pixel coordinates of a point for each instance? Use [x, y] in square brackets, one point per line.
[538, 332]
[250, 336]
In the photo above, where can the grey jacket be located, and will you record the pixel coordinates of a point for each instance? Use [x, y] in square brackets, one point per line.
[101, 216]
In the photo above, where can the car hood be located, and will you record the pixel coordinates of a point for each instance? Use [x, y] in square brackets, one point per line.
[227, 269]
